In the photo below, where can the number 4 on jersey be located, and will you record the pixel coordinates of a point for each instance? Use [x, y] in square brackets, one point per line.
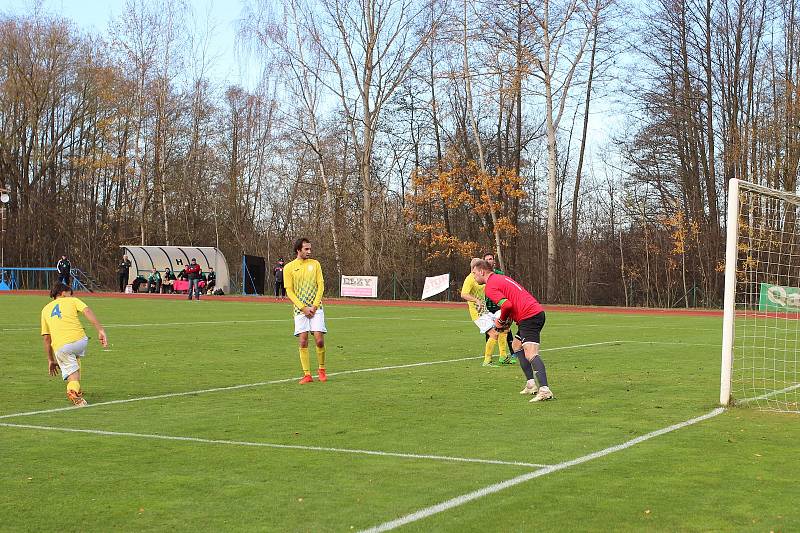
[56, 311]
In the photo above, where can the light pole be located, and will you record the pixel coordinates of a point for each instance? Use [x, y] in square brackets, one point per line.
[4, 199]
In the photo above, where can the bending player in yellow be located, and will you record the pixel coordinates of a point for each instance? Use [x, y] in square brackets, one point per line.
[473, 293]
[65, 340]
[304, 284]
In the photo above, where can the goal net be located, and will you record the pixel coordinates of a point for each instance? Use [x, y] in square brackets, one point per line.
[761, 327]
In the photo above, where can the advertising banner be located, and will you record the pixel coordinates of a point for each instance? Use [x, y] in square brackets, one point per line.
[435, 284]
[777, 298]
[360, 286]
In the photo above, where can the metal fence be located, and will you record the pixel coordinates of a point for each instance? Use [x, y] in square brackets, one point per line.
[38, 278]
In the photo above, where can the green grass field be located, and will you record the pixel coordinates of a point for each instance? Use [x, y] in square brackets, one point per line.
[250, 458]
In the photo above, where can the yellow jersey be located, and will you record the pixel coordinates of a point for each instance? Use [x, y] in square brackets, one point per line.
[60, 321]
[304, 283]
[472, 288]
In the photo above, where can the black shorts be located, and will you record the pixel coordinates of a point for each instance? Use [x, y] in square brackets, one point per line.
[529, 330]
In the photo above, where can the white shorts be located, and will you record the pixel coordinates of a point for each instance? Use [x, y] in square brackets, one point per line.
[303, 324]
[485, 322]
[67, 356]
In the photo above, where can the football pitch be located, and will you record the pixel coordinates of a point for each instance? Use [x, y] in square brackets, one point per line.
[197, 421]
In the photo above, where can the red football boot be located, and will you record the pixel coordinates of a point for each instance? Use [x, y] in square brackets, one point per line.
[306, 379]
[322, 375]
[77, 398]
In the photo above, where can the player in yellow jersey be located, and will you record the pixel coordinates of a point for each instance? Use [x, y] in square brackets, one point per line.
[304, 284]
[473, 293]
[65, 340]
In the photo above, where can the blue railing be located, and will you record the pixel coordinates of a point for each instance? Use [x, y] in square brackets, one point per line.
[35, 278]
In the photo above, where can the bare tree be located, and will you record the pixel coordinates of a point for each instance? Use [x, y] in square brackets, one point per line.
[477, 137]
[369, 47]
[562, 30]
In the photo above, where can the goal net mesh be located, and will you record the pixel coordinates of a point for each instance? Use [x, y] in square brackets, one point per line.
[766, 340]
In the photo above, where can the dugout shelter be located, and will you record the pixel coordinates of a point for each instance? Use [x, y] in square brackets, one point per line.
[145, 258]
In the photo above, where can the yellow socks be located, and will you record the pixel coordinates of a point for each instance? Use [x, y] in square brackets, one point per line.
[489, 350]
[503, 343]
[305, 361]
[74, 386]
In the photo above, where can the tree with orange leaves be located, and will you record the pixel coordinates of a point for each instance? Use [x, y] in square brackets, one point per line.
[447, 200]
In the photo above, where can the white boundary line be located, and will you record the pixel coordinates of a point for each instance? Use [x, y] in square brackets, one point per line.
[273, 445]
[289, 320]
[277, 381]
[769, 394]
[232, 387]
[251, 321]
[497, 487]
[675, 343]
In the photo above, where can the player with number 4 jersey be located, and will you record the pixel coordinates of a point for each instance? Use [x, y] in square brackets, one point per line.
[65, 340]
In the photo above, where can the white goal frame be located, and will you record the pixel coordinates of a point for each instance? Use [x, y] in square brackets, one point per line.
[762, 321]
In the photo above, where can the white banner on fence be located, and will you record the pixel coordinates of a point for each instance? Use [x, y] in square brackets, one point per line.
[435, 285]
[360, 286]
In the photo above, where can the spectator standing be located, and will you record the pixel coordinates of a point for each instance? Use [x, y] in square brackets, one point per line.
[193, 272]
[123, 271]
[64, 269]
[280, 288]
[154, 281]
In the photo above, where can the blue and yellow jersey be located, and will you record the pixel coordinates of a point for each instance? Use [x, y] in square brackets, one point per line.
[60, 321]
[472, 288]
[304, 283]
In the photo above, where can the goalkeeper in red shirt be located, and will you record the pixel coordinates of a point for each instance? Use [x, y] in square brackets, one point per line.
[518, 305]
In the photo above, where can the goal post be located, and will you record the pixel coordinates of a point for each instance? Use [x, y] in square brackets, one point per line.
[729, 302]
[761, 319]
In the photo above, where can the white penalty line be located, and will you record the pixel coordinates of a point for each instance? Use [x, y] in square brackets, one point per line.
[277, 381]
[445, 458]
[497, 487]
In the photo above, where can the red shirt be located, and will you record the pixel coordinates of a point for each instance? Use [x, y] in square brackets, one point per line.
[512, 298]
[193, 271]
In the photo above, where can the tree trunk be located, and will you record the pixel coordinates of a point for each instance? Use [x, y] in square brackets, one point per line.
[579, 171]
[478, 141]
